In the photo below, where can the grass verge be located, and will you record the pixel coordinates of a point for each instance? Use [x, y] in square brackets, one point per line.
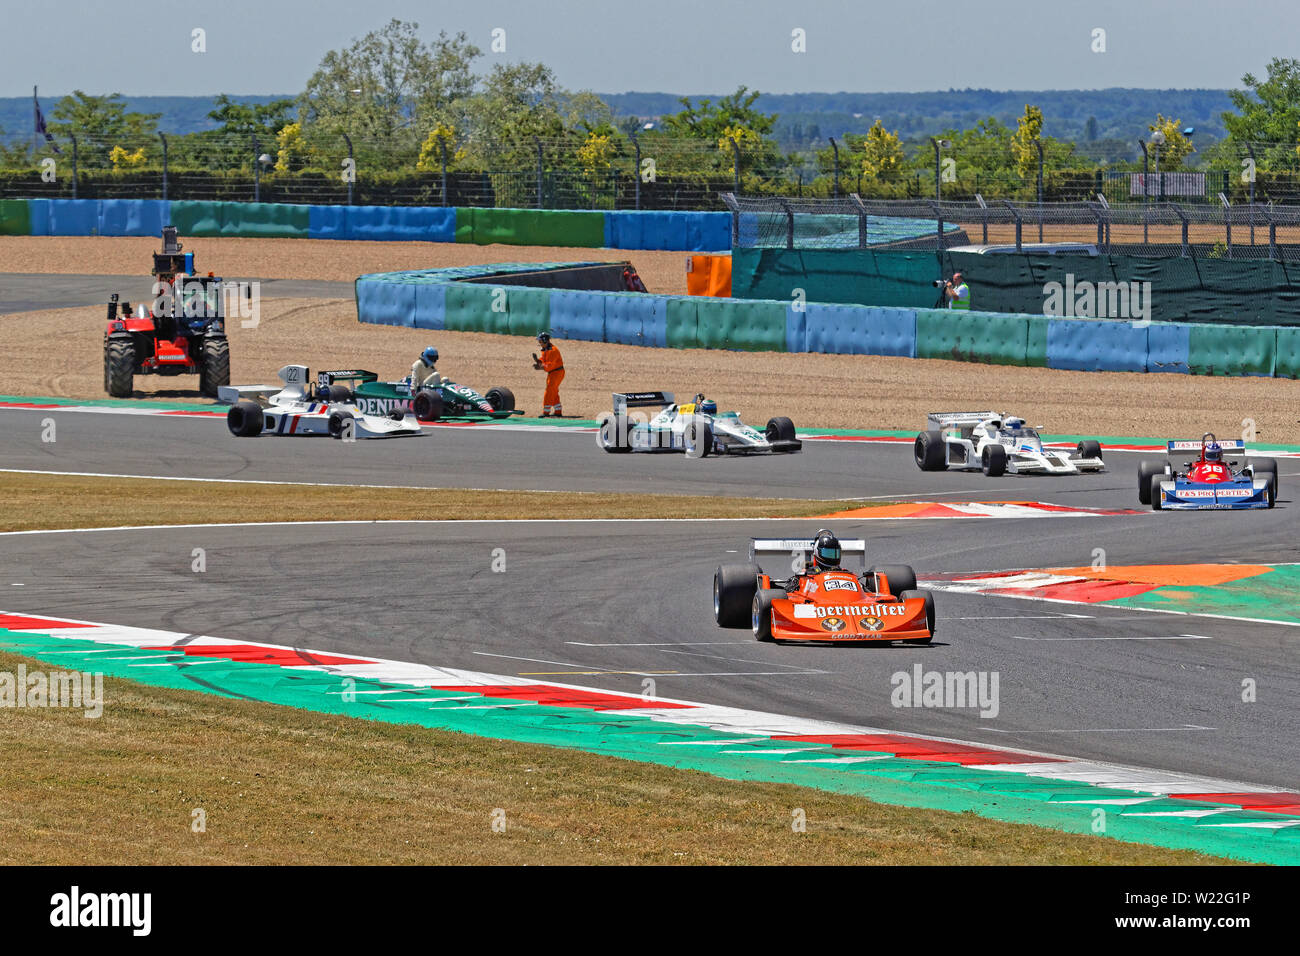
[286, 786]
[35, 502]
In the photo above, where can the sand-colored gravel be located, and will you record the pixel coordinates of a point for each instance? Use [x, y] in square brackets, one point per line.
[663, 272]
[59, 353]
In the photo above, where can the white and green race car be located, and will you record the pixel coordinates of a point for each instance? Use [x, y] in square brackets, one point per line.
[696, 428]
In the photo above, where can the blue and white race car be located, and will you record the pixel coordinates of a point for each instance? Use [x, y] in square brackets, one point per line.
[1208, 482]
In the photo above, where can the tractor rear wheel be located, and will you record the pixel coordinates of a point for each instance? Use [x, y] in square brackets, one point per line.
[119, 367]
[214, 366]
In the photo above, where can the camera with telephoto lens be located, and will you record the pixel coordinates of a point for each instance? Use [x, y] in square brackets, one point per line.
[940, 283]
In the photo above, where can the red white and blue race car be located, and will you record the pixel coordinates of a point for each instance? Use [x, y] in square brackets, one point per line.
[1208, 482]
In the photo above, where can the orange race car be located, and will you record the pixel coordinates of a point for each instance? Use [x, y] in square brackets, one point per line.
[821, 600]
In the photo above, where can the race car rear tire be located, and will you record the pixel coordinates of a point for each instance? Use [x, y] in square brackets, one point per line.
[245, 419]
[900, 577]
[1147, 470]
[1154, 495]
[929, 614]
[1089, 449]
[338, 423]
[734, 586]
[780, 429]
[699, 434]
[501, 399]
[214, 367]
[427, 405]
[929, 451]
[993, 461]
[119, 367]
[760, 618]
[613, 434]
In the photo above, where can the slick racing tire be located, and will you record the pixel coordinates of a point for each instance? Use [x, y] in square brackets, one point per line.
[427, 405]
[1146, 471]
[929, 452]
[339, 423]
[993, 461]
[336, 393]
[1266, 468]
[900, 578]
[760, 618]
[929, 614]
[613, 434]
[1089, 449]
[244, 419]
[1154, 496]
[698, 439]
[501, 399]
[779, 429]
[734, 586]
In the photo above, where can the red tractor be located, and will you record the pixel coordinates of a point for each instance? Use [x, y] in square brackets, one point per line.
[184, 333]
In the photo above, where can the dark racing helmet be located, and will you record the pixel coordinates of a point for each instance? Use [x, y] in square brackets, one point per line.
[826, 551]
[708, 407]
[429, 356]
[544, 338]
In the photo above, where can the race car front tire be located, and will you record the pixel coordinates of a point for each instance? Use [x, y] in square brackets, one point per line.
[1089, 449]
[1155, 497]
[500, 398]
[1266, 468]
[734, 586]
[929, 614]
[760, 618]
[427, 405]
[900, 578]
[699, 439]
[993, 461]
[613, 434]
[929, 452]
[1146, 471]
[244, 419]
[779, 429]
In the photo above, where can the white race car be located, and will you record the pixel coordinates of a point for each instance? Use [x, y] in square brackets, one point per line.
[996, 444]
[295, 409]
[696, 427]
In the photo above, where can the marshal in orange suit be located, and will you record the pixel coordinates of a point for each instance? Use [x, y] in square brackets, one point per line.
[552, 364]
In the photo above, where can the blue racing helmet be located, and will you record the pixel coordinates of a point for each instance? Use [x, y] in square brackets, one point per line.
[429, 356]
[1213, 451]
[708, 407]
[1014, 424]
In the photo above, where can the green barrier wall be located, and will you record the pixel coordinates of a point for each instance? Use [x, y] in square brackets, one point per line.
[254, 220]
[1287, 362]
[530, 310]
[1220, 350]
[682, 323]
[985, 337]
[749, 326]
[15, 218]
[469, 309]
[1036, 342]
[846, 276]
[530, 227]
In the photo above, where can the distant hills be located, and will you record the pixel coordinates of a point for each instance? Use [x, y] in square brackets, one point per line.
[1121, 114]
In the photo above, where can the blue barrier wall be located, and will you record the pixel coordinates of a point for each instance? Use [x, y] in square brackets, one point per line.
[1096, 346]
[578, 315]
[1167, 348]
[685, 231]
[858, 330]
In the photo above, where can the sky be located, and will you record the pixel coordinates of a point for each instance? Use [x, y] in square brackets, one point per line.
[144, 47]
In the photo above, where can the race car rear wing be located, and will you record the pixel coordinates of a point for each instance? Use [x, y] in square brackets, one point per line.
[1194, 445]
[346, 375]
[625, 400]
[789, 547]
[938, 421]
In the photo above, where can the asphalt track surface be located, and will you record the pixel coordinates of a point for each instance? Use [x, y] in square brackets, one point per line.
[611, 604]
[28, 292]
